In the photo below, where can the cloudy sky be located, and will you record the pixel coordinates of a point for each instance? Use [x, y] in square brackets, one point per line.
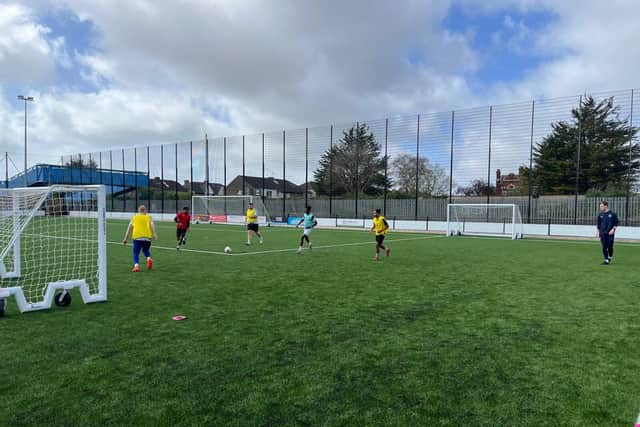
[131, 72]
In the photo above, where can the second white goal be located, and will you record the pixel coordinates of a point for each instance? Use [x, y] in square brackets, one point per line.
[502, 220]
[227, 209]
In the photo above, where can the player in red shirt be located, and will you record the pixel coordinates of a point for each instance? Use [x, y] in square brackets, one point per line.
[183, 221]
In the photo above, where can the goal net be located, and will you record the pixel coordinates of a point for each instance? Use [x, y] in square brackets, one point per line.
[52, 239]
[484, 219]
[227, 209]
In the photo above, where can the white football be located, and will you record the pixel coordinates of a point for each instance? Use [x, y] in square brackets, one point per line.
[227, 250]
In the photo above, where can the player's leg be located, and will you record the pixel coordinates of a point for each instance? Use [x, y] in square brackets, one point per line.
[307, 234]
[248, 234]
[611, 239]
[604, 242]
[178, 238]
[3, 304]
[136, 255]
[378, 244]
[302, 237]
[146, 250]
[257, 231]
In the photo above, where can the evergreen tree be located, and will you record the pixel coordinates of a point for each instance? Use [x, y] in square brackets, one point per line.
[353, 164]
[606, 158]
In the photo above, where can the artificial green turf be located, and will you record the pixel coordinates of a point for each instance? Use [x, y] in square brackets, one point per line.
[457, 331]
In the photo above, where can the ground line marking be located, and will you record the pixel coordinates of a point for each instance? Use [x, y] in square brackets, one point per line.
[203, 251]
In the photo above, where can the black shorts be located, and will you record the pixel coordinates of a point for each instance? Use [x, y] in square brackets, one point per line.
[380, 238]
[253, 227]
[180, 233]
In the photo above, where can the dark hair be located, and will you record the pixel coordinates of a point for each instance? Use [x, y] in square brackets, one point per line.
[378, 210]
[308, 207]
[604, 202]
[186, 208]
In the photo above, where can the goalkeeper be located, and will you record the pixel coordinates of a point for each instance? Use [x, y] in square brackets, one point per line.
[141, 229]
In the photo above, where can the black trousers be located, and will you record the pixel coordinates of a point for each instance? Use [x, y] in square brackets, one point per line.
[606, 240]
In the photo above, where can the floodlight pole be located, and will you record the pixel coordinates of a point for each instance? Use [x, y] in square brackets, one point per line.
[25, 99]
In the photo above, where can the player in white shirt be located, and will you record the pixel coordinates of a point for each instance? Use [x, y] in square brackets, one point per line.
[309, 221]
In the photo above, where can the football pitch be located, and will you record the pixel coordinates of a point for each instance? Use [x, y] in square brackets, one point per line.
[447, 331]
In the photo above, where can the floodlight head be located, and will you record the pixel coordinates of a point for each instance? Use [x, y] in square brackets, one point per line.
[25, 98]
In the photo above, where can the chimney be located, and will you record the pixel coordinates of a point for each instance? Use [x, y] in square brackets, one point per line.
[498, 176]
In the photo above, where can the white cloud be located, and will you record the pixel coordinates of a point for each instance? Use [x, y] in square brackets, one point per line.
[27, 55]
[173, 70]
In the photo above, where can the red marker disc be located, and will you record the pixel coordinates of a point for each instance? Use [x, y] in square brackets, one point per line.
[178, 318]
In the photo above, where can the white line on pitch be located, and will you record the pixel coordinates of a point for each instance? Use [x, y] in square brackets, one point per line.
[202, 251]
[543, 239]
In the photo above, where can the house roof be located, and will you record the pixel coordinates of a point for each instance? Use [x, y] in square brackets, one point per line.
[270, 183]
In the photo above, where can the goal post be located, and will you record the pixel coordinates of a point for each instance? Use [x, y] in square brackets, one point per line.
[227, 209]
[502, 220]
[52, 240]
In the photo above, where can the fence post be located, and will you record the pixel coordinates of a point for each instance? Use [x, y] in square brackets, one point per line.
[111, 176]
[533, 109]
[135, 170]
[224, 166]
[263, 189]
[190, 171]
[575, 203]
[331, 173]
[124, 184]
[629, 177]
[161, 178]
[6, 169]
[175, 208]
[453, 119]
[489, 161]
[386, 164]
[417, 165]
[81, 168]
[284, 176]
[357, 166]
[148, 179]
[206, 166]
[244, 174]
[91, 169]
[306, 167]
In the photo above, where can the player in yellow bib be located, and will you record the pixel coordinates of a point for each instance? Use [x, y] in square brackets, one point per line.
[252, 224]
[141, 229]
[380, 226]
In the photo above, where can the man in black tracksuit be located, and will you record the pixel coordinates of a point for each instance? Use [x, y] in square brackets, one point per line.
[607, 223]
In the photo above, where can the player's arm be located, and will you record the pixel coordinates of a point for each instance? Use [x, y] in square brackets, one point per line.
[615, 225]
[598, 227]
[153, 229]
[127, 234]
[386, 224]
[299, 222]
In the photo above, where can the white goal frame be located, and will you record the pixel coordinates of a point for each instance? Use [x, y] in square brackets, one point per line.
[264, 218]
[14, 247]
[457, 225]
